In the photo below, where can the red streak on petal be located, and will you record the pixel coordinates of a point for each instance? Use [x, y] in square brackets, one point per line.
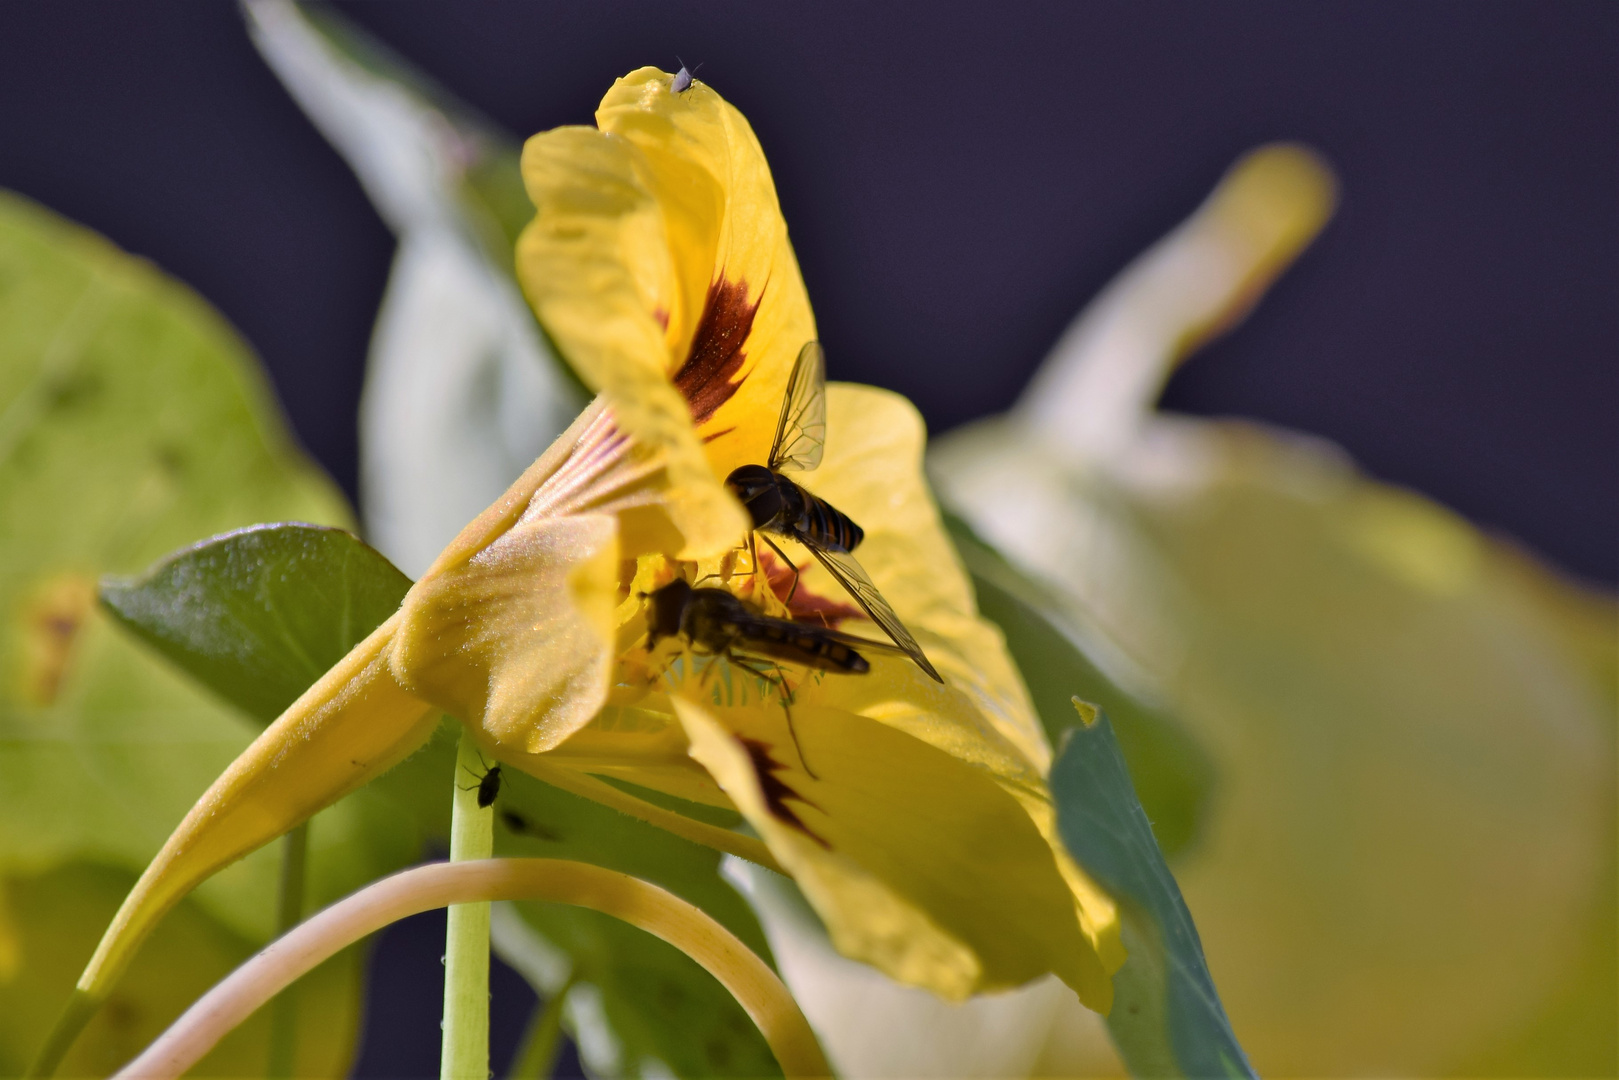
[706, 378]
[805, 606]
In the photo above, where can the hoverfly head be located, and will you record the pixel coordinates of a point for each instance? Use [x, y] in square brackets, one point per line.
[757, 489]
[668, 608]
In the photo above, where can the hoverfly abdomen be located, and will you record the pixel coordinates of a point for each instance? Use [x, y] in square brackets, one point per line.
[828, 524]
[838, 655]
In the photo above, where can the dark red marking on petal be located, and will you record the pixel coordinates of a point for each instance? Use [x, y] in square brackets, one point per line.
[775, 790]
[662, 316]
[706, 378]
[805, 606]
[712, 435]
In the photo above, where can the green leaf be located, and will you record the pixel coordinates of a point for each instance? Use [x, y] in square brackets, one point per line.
[50, 921]
[133, 420]
[1166, 1019]
[1172, 772]
[648, 1009]
[650, 1001]
[259, 614]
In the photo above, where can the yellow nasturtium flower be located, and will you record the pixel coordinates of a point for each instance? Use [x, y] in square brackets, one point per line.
[913, 815]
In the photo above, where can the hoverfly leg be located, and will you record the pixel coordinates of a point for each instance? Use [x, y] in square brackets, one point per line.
[486, 768]
[753, 556]
[790, 565]
[786, 701]
[786, 694]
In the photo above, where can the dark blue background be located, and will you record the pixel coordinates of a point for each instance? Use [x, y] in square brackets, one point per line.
[958, 179]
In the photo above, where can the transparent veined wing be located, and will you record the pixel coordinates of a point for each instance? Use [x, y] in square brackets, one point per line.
[755, 626]
[801, 430]
[852, 576]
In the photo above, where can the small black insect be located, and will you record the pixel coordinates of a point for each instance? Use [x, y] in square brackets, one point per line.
[488, 785]
[781, 506]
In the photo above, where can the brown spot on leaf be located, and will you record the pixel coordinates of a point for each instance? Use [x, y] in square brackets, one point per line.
[51, 621]
[708, 377]
[775, 789]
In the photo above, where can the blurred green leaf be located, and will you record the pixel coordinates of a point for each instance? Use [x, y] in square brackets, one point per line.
[1166, 1019]
[259, 614]
[1412, 724]
[132, 421]
[50, 921]
[1172, 773]
[643, 999]
[642, 1008]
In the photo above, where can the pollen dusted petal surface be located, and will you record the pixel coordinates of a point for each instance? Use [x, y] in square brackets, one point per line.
[518, 639]
[918, 863]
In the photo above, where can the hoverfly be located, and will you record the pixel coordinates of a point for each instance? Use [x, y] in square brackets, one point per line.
[780, 506]
[717, 623]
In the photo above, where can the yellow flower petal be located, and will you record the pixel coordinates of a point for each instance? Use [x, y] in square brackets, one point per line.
[590, 263]
[918, 863]
[872, 471]
[512, 629]
[352, 725]
[659, 263]
[518, 639]
[710, 176]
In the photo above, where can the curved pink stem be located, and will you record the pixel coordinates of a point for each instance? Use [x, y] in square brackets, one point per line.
[436, 885]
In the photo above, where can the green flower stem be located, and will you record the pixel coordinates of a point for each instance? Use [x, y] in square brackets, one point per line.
[537, 1054]
[465, 1054]
[289, 909]
[422, 888]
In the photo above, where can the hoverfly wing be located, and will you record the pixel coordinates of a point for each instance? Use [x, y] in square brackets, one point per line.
[757, 626]
[802, 643]
[801, 430]
[852, 576]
